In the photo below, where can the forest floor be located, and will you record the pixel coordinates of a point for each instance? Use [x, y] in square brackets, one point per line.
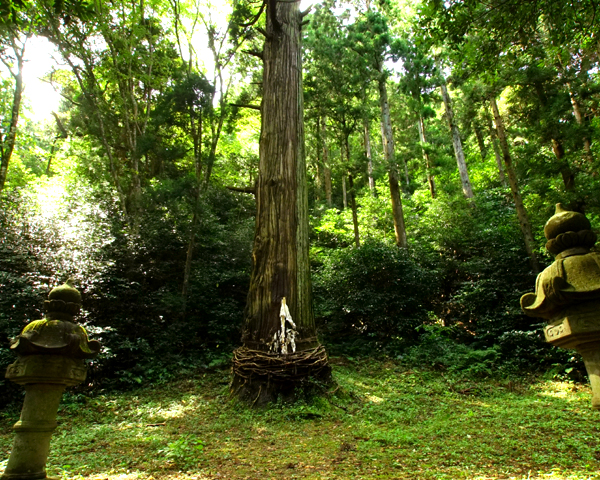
[381, 421]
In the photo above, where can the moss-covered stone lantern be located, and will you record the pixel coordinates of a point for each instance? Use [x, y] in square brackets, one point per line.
[567, 293]
[51, 355]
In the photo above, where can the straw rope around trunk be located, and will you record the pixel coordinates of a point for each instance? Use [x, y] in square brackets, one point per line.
[249, 364]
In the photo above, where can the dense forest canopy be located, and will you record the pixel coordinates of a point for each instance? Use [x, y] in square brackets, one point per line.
[438, 136]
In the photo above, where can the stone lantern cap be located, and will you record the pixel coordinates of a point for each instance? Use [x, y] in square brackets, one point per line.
[573, 280]
[56, 334]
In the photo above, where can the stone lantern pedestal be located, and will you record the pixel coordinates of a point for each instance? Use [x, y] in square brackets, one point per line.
[51, 355]
[579, 329]
[567, 293]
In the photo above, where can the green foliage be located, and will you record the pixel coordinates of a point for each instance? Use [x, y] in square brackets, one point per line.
[183, 452]
[377, 293]
[138, 299]
[116, 208]
[382, 420]
[131, 283]
[437, 349]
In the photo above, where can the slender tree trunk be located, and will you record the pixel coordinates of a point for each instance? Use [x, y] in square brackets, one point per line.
[7, 142]
[514, 188]
[565, 171]
[587, 144]
[344, 193]
[456, 142]
[367, 131]
[498, 157]
[423, 138]
[497, 153]
[480, 140]
[328, 189]
[352, 195]
[326, 167]
[281, 268]
[197, 139]
[406, 175]
[61, 133]
[318, 190]
[389, 155]
[557, 147]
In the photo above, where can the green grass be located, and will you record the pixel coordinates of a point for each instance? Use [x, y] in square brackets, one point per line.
[382, 421]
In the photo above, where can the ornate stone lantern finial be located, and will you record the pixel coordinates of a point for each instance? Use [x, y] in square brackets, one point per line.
[567, 293]
[566, 231]
[51, 355]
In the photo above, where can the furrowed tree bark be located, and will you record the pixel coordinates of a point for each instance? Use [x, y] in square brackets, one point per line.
[389, 155]
[456, 142]
[280, 254]
[514, 188]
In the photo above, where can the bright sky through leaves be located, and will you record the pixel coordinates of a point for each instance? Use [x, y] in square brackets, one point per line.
[41, 56]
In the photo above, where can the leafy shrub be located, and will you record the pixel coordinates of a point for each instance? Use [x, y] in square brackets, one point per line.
[437, 349]
[377, 292]
[131, 280]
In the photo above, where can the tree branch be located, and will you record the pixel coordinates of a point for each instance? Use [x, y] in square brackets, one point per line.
[264, 33]
[305, 12]
[251, 190]
[243, 105]
[61, 127]
[254, 53]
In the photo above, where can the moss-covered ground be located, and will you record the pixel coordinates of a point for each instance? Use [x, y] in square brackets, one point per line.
[381, 421]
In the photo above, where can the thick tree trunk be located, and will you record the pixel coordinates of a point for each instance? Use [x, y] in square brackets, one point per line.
[281, 269]
[456, 142]
[423, 139]
[389, 155]
[514, 188]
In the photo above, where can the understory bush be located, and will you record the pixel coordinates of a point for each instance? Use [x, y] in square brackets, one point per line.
[376, 294]
[450, 301]
[131, 278]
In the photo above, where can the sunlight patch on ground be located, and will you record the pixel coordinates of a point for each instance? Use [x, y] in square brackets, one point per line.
[374, 398]
[560, 389]
[176, 409]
